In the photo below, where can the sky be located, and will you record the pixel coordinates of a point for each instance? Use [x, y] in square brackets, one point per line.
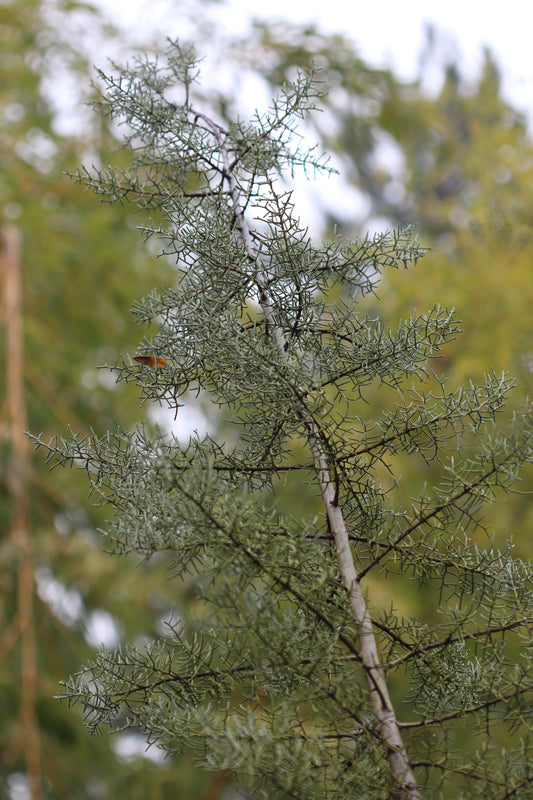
[391, 33]
[387, 33]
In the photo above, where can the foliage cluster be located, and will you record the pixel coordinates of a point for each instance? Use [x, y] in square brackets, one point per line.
[292, 674]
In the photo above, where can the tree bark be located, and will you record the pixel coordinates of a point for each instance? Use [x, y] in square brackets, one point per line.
[18, 487]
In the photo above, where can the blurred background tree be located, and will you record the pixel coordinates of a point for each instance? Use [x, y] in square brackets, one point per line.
[82, 266]
[458, 165]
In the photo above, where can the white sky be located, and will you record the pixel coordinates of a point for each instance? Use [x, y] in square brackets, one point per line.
[385, 32]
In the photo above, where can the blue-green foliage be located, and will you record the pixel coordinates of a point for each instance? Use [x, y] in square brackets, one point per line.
[267, 680]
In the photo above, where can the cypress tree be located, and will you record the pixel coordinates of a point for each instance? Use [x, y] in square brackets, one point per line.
[293, 675]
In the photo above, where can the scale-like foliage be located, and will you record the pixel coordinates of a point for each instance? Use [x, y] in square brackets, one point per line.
[283, 678]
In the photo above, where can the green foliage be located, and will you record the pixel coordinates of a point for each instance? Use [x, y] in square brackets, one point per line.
[81, 269]
[275, 677]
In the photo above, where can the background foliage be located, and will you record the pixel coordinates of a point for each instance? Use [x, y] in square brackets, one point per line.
[83, 269]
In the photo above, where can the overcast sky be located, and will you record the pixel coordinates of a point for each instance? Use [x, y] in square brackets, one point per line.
[385, 32]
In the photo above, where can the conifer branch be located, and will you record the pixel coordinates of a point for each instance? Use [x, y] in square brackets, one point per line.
[467, 490]
[381, 702]
[464, 636]
[265, 322]
[468, 710]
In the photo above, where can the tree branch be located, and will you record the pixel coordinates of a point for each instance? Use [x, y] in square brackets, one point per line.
[389, 728]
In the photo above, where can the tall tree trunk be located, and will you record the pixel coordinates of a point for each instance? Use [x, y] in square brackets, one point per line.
[28, 733]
